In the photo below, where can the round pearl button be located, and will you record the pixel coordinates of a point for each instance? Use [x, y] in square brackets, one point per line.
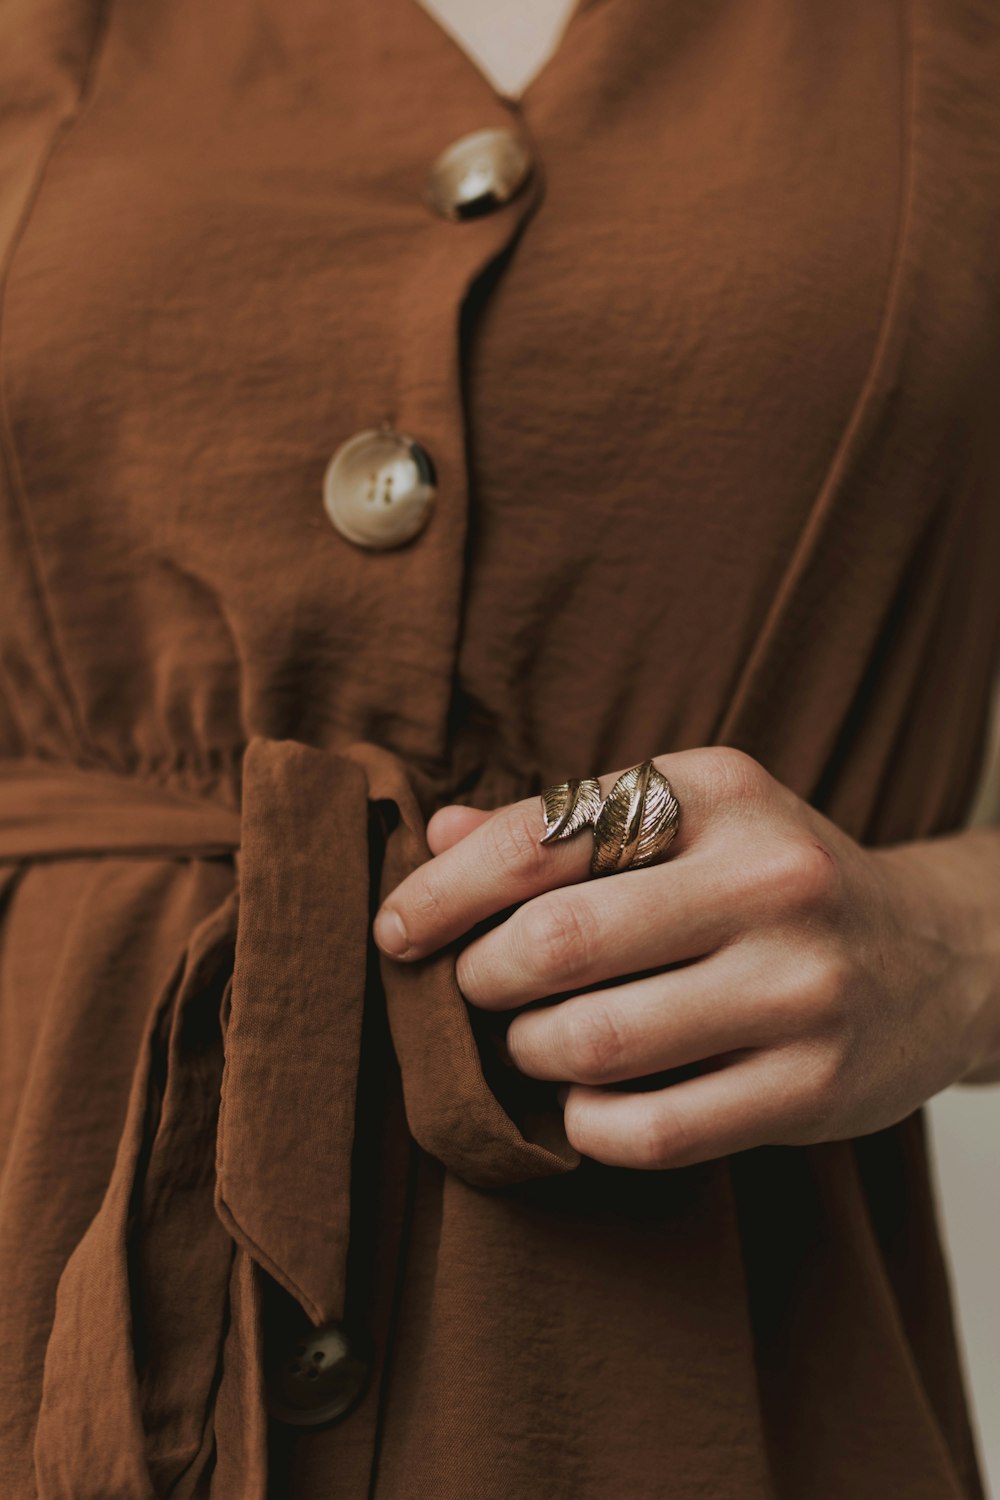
[379, 488]
[316, 1380]
[478, 173]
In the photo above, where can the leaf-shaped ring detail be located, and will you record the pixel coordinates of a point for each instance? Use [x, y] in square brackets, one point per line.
[637, 821]
[568, 807]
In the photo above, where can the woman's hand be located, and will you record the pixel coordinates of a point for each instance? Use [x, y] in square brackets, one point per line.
[823, 990]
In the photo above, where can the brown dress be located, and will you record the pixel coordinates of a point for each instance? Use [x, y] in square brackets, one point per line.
[711, 405]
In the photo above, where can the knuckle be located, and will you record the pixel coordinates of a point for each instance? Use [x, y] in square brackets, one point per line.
[427, 905]
[807, 994]
[513, 846]
[667, 1138]
[800, 877]
[594, 1044]
[824, 990]
[553, 938]
[821, 1093]
[734, 776]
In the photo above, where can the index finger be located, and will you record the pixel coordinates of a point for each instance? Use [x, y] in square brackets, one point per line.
[502, 863]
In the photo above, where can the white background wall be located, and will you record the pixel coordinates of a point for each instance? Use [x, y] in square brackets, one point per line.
[965, 1129]
[965, 1134]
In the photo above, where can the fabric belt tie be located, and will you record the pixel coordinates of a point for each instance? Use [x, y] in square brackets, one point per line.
[259, 1028]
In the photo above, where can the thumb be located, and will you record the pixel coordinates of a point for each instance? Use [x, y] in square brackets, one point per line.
[450, 824]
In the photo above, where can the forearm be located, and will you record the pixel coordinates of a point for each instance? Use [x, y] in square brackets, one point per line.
[951, 887]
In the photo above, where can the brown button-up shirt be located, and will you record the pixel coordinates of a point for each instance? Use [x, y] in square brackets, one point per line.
[710, 403]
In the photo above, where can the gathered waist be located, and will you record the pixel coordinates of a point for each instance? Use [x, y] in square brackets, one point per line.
[298, 926]
[57, 809]
[289, 949]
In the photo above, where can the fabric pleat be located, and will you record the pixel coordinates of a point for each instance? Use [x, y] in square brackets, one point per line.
[216, 1178]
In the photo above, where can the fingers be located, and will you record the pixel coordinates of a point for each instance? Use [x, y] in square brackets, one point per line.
[647, 1025]
[756, 1100]
[452, 823]
[501, 863]
[492, 867]
[583, 934]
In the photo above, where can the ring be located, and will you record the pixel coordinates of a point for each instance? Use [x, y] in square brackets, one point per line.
[634, 825]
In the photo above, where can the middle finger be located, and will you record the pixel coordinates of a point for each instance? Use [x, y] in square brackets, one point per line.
[601, 929]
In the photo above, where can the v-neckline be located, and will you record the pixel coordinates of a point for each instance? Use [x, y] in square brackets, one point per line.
[521, 102]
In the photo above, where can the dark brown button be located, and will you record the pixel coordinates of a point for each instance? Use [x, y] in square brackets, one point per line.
[317, 1380]
[478, 173]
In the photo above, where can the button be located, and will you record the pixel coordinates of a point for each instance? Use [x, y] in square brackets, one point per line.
[319, 1380]
[478, 173]
[379, 488]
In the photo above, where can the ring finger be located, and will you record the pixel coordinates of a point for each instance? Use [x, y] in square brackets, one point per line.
[648, 1025]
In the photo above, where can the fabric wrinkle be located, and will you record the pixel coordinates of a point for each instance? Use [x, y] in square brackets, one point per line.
[709, 406]
[215, 1178]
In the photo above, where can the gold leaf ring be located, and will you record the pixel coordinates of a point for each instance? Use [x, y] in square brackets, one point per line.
[568, 807]
[633, 826]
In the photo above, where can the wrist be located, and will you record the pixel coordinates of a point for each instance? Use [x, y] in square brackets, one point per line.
[947, 892]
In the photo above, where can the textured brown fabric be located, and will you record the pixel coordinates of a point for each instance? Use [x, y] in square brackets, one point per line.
[712, 408]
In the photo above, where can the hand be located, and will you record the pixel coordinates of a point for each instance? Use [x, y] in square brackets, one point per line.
[811, 982]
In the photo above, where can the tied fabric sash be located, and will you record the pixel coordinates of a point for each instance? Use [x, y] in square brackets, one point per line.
[259, 1030]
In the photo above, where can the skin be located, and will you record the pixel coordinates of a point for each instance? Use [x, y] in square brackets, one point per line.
[513, 41]
[820, 989]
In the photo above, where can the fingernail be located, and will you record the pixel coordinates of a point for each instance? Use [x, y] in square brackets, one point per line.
[390, 934]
